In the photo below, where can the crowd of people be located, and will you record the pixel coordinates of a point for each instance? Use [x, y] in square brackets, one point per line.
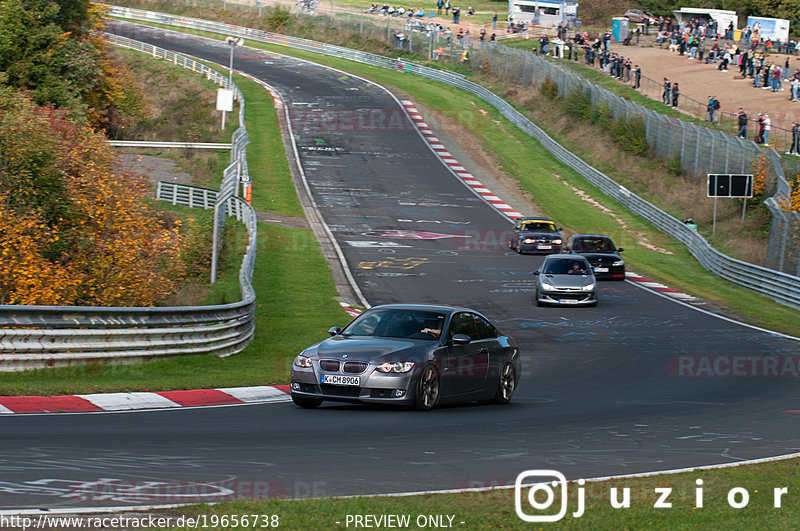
[703, 42]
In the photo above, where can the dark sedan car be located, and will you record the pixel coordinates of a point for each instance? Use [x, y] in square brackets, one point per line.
[536, 235]
[413, 355]
[601, 253]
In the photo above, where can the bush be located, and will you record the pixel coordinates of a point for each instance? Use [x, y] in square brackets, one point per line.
[550, 89]
[598, 115]
[278, 18]
[579, 104]
[674, 165]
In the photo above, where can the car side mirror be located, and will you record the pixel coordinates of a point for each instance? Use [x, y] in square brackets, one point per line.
[334, 330]
[536, 272]
[620, 250]
[461, 339]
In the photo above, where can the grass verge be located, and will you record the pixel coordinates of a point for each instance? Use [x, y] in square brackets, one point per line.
[709, 505]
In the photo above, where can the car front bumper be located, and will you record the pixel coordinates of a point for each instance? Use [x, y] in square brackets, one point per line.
[537, 248]
[374, 388]
[613, 273]
[567, 298]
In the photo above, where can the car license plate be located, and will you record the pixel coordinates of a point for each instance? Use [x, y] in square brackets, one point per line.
[568, 301]
[544, 246]
[601, 270]
[336, 379]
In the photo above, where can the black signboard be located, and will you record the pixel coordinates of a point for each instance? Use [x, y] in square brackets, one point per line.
[726, 185]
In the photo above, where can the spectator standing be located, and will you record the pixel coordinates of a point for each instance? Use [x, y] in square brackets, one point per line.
[446, 7]
[767, 127]
[712, 108]
[796, 87]
[439, 5]
[776, 78]
[759, 139]
[693, 47]
[794, 149]
[676, 92]
[786, 68]
[637, 76]
[494, 21]
[741, 118]
[667, 91]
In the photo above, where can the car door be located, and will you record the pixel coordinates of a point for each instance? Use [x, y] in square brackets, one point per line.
[488, 338]
[466, 364]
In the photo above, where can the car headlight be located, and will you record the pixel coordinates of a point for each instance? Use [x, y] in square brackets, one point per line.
[302, 361]
[528, 240]
[556, 241]
[396, 366]
[619, 263]
[548, 287]
[588, 287]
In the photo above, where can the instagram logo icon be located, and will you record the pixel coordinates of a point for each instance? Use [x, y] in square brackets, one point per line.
[542, 490]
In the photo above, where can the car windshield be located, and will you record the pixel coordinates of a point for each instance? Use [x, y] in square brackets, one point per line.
[402, 323]
[565, 267]
[603, 245]
[538, 225]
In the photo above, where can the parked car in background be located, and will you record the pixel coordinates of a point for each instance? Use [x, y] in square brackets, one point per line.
[413, 355]
[637, 15]
[565, 279]
[536, 235]
[602, 254]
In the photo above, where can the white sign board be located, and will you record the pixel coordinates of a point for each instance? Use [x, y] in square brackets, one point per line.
[225, 100]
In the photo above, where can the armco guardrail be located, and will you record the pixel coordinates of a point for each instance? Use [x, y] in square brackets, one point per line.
[183, 145]
[781, 287]
[54, 336]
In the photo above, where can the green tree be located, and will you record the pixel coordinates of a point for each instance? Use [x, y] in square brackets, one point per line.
[45, 48]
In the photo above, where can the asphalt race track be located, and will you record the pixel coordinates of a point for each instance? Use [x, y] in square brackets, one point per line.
[640, 383]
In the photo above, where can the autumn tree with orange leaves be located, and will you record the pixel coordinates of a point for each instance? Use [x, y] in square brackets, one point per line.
[74, 229]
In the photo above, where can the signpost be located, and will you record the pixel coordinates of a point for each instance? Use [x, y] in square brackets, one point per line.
[728, 185]
[233, 42]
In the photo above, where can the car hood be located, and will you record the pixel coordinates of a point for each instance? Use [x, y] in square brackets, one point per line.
[533, 233]
[568, 281]
[370, 348]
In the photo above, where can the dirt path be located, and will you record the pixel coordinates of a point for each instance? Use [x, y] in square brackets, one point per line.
[699, 81]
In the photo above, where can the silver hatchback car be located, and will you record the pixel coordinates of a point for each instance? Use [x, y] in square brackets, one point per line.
[566, 279]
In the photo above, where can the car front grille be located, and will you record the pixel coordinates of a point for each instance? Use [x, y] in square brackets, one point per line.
[340, 390]
[570, 296]
[355, 367]
[329, 365]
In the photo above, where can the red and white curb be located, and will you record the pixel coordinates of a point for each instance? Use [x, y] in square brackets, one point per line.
[276, 98]
[351, 310]
[144, 400]
[455, 166]
[660, 288]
